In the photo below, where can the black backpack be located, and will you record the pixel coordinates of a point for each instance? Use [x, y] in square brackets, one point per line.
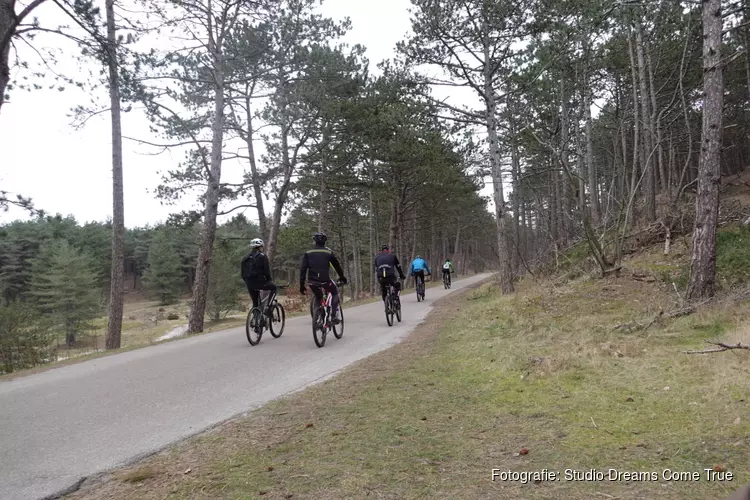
[252, 266]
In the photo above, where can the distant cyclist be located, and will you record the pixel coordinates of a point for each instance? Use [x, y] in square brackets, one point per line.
[418, 267]
[448, 269]
[386, 266]
[316, 265]
[256, 273]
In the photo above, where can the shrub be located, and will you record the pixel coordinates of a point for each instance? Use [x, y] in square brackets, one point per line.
[25, 341]
[733, 256]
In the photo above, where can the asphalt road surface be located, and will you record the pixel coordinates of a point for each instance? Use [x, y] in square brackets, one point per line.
[67, 423]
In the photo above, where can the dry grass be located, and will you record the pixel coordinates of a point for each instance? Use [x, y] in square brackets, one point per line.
[485, 376]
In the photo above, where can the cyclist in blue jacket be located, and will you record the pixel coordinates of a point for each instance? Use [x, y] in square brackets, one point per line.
[418, 267]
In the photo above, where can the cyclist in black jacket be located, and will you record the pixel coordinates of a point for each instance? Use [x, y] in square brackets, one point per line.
[256, 273]
[316, 265]
[386, 266]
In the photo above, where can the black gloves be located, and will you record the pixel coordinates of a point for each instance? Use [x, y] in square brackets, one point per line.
[302, 289]
[403, 277]
[344, 281]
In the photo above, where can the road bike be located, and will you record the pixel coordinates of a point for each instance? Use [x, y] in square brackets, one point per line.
[273, 319]
[392, 305]
[420, 289]
[322, 317]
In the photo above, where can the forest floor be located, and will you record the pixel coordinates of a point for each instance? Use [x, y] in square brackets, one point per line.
[565, 374]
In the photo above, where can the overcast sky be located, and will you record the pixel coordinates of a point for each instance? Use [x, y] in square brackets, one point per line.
[69, 171]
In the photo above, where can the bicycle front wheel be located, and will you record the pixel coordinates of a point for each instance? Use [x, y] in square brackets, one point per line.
[278, 320]
[338, 330]
[254, 326]
[319, 328]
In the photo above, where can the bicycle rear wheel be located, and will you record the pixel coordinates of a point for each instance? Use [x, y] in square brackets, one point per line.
[338, 330]
[278, 320]
[253, 326]
[319, 328]
[389, 309]
[419, 291]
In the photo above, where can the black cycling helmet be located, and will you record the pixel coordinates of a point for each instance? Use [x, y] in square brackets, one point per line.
[320, 238]
[383, 248]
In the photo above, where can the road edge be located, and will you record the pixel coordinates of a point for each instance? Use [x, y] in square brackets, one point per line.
[103, 476]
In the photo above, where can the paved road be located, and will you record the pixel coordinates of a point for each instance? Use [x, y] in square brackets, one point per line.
[67, 423]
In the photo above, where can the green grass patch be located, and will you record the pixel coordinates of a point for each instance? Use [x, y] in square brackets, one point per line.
[542, 370]
[733, 256]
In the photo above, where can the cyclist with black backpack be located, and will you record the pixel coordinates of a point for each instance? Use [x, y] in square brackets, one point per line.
[256, 273]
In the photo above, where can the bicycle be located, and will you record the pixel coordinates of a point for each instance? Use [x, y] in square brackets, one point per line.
[392, 306]
[273, 319]
[420, 289]
[447, 280]
[322, 318]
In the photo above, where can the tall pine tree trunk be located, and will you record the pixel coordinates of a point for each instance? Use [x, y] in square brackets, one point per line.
[593, 184]
[703, 263]
[648, 136]
[516, 176]
[281, 195]
[117, 281]
[262, 222]
[208, 234]
[636, 131]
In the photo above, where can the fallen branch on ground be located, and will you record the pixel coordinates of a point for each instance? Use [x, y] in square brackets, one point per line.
[681, 312]
[674, 314]
[722, 346]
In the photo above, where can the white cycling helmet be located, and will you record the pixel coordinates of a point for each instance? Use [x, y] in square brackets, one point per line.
[256, 242]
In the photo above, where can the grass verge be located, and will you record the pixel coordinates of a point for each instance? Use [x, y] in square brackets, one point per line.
[485, 377]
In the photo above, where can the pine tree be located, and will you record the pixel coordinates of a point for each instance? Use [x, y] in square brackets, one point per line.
[64, 285]
[224, 282]
[164, 275]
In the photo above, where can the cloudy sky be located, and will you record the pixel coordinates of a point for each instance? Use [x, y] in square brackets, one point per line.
[68, 170]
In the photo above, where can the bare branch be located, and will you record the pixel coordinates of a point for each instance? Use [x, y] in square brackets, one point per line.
[722, 346]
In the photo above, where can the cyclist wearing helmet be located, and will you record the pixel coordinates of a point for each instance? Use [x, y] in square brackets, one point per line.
[256, 272]
[418, 267]
[386, 266]
[316, 265]
[448, 269]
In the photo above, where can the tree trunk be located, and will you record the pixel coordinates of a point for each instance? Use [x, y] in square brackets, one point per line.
[593, 189]
[555, 206]
[393, 226]
[371, 217]
[516, 176]
[205, 252]
[323, 215]
[7, 28]
[746, 32]
[506, 276]
[117, 281]
[636, 131]
[703, 262]
[262, 222]
[648, 146]
[323, 210]
[564, 198]
[288, 168]
[658, 134]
